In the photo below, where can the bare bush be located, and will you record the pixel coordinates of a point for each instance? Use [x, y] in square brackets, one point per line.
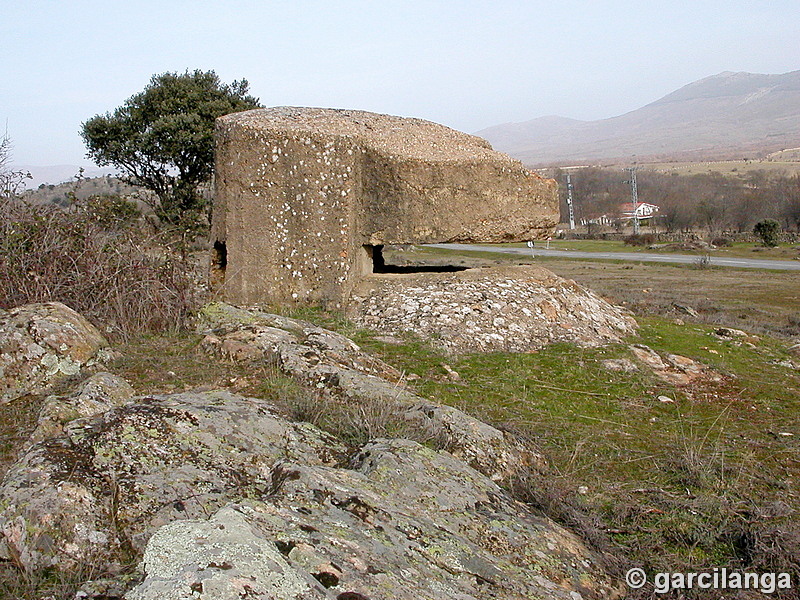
[11, 182]
[97, 263]
[773, 545]
[702, 262]
[644, 239]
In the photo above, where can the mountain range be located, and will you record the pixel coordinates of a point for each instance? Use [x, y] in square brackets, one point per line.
[725, 116]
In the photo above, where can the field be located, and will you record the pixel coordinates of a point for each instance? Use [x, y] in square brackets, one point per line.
[779, 164]
[756, 300]
[735, 250]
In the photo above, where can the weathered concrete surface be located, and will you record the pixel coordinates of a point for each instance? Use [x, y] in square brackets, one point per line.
[41, 344]
[513, 309]
[303, 194]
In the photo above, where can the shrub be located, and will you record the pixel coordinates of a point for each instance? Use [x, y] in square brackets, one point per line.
[722, 242]
[356, 423]
[111, 211]
[768, 230]
[643, 239]
[95, 260]
[702, 262]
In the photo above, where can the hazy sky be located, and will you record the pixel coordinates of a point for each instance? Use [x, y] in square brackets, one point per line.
[465, 64]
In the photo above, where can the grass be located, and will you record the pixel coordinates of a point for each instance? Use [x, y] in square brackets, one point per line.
[47, 584]
[563, 394]
[17, 422]
[785, 164]
[163, 364]
[666, 486]
[736, 250]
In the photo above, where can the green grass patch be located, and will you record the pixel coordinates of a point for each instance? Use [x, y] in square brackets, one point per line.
[736, 250]
[672, 486]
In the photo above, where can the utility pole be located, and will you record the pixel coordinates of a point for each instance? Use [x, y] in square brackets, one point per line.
[634, 199]
[569, 203]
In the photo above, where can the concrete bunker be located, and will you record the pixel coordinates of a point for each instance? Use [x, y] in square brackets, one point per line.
[308, 198]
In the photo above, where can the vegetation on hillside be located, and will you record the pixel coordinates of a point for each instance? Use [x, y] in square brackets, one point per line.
[81, 188]
[712, 202]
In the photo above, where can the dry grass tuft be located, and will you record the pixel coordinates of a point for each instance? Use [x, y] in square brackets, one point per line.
[356, 423]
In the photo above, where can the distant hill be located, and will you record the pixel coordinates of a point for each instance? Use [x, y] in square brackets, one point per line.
[730, 115]
[59, 193]
[55, 174]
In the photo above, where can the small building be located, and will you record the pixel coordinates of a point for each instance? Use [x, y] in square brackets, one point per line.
[306, 198]
[625, 213]
[644, 210]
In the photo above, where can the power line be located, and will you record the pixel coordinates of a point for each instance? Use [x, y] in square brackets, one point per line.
[634, 199]
[569, 203]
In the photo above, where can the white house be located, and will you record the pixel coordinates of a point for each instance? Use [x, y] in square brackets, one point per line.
[644, 210]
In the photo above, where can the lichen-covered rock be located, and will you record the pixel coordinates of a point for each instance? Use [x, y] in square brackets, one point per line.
[220, 559]
[42, 343]
[497, 454]
[97, 394]
[513, 309]
[294, 514]
[109, 481]
[334, 364]
[304, 196]
[402, 522]
[620, 365]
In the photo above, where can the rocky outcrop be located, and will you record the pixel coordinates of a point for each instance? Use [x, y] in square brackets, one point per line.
[514, 309]
[293, 512]
[334, 365]
[102, 470]
[305, 198]
[41, 344]
[224, 497]
[94, 396]
[673, 368]
[104, 486]
[401, 521]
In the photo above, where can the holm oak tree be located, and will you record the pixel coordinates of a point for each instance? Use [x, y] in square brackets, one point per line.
[162, 138]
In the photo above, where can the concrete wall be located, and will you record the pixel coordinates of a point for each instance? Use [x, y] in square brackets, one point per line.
[301, 192]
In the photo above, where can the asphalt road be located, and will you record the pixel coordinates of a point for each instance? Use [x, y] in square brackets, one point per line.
[717, 261]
